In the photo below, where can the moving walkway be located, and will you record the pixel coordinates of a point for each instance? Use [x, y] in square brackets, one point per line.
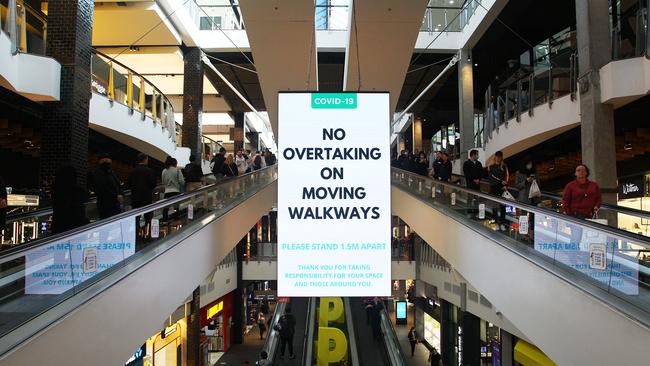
[548, 273]
[112, 278]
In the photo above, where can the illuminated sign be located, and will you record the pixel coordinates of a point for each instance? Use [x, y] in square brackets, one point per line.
[400, 312]
[334, 219]
[215, 309]
[169, 331]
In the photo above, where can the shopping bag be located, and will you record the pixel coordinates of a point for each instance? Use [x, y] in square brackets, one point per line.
[507, 195]
[534, 190]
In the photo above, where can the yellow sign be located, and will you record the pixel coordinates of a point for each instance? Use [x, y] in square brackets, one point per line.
[332, 346]
[215, 309]
[170, 330]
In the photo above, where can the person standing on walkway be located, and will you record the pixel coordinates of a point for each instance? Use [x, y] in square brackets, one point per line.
[142, 182]
[498, 176]
[107, 188]
[172, 180]
[217, 162]
[264, 359]
[444, 167]
[229, 168]
[375, 322]
[434, 357]
[413, 340]
[261, 323]
[68, 199]
[286, 326]
[3, 204]
[241, 162]
[193, 175]
[582, 197]
[473, 172]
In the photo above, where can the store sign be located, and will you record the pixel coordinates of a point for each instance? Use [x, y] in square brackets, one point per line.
[400, 312]
[61, 266]
[215, 309]
[334, 194]
[631, 188]
[138, 356]
[169, 331]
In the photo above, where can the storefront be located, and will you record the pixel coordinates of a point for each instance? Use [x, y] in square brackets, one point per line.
[633, 193]
[431, 331]
[216, 321]
[166, 348]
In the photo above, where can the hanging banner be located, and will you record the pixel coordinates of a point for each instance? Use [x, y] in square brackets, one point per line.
[334, 194]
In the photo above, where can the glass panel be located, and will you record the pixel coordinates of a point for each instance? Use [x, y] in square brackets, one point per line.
[35, 280]
[100, 70]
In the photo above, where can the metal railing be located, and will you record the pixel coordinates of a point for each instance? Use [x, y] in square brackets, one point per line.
[332, 16]
[629, 30]
[43, 274]
[25, 26]
[121, 84]
[612, 264]
[531, 87]
[391, 342]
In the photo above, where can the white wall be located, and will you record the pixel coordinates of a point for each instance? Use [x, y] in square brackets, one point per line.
[263, 270]
[105, 330]
[117, 122]
[571, 326]
[624, 81]
[35, 77]
[513, 137]
[222, 281]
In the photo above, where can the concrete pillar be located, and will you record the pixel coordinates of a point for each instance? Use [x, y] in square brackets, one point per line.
[448, 333]
[193, 100]
[238, 131]
[417, 134]
[597, 119]
[65, 126]
[466, 100]
[471, 339]
[238, 315]
[194, 330]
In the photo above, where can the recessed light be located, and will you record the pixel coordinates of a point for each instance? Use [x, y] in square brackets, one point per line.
[435, 30]
[475, 64]
[439, 25]
[451, 1]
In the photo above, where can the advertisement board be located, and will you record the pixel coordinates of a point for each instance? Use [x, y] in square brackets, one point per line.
[59, 267]
[334, 194]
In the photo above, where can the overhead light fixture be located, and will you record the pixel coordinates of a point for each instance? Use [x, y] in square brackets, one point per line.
[627, 146]
[435, 30]
[439, 25]
[451, 1]
[476, 65]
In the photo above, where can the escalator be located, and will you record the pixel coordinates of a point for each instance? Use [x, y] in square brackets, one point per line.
[300, 308]
[371, 348]
[549, 274]
[112, 283]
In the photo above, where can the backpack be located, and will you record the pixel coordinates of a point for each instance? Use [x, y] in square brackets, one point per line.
[257, 162]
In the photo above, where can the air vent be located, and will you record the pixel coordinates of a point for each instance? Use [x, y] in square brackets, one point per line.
[457, 290]
[485, 302]
[447, 286]
[473, 296]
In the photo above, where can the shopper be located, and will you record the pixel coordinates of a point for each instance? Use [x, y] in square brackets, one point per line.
[229, 168]
[444, 167]
[107, 188]
[142, 182]
[261, 324]
[434, 357]
[436, 165]
[217, 163]
[3, 204]
[413, 340]
[524, 181]
[582, 197]
[249, 161]
[193, 175]
[68, 201]
[286, 326]
[258, 161]
[498, 177]
[269, 157]
[473, 171]
[264, 359]
[172, 180]
[240, 162]
[375, 321]
[421, 165]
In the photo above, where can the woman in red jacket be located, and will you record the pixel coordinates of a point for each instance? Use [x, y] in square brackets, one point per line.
[581, 197]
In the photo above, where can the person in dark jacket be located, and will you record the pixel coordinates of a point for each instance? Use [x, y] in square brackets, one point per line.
[142, 182]
[287, 327]
[217, 163]
[68, 199]
[498, 176]
[435, 166]
[473, 172]
[193, 174]
[444, 167]
[3, 204]
[229, 168]
[107, 188]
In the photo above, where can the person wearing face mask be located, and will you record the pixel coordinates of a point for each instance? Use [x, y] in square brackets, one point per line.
[582, 197]
[525, 178]
[107, 188]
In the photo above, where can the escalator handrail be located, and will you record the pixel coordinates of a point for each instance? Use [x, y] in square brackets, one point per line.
[620, 209]
[20, 250]
[393, 347]
[618, 233]
[272, 336]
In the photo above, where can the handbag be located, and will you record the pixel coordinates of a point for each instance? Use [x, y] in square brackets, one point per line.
[534, 191]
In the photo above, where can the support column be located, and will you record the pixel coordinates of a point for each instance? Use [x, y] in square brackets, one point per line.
[194, 330]
[471, 339]
[466, 100]
[238, 131]
[65, 126]
[417, 135]
[193, 101]
[448, 333]
[597, 119]
[238, 299]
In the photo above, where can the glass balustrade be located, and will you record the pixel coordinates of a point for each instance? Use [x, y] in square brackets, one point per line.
[333, 15]
[47, 272]
[609, 259]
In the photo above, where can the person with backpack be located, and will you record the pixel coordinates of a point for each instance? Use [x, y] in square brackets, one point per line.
[286, 326]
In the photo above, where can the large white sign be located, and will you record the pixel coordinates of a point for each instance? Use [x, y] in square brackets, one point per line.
[334, 212]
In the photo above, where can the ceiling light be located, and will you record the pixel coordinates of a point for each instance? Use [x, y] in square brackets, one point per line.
[439, 25]
[475, 65]
[435, 30]
[627, 146]
[451, 1]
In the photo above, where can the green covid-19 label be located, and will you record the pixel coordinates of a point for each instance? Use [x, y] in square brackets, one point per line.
[334, 100]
